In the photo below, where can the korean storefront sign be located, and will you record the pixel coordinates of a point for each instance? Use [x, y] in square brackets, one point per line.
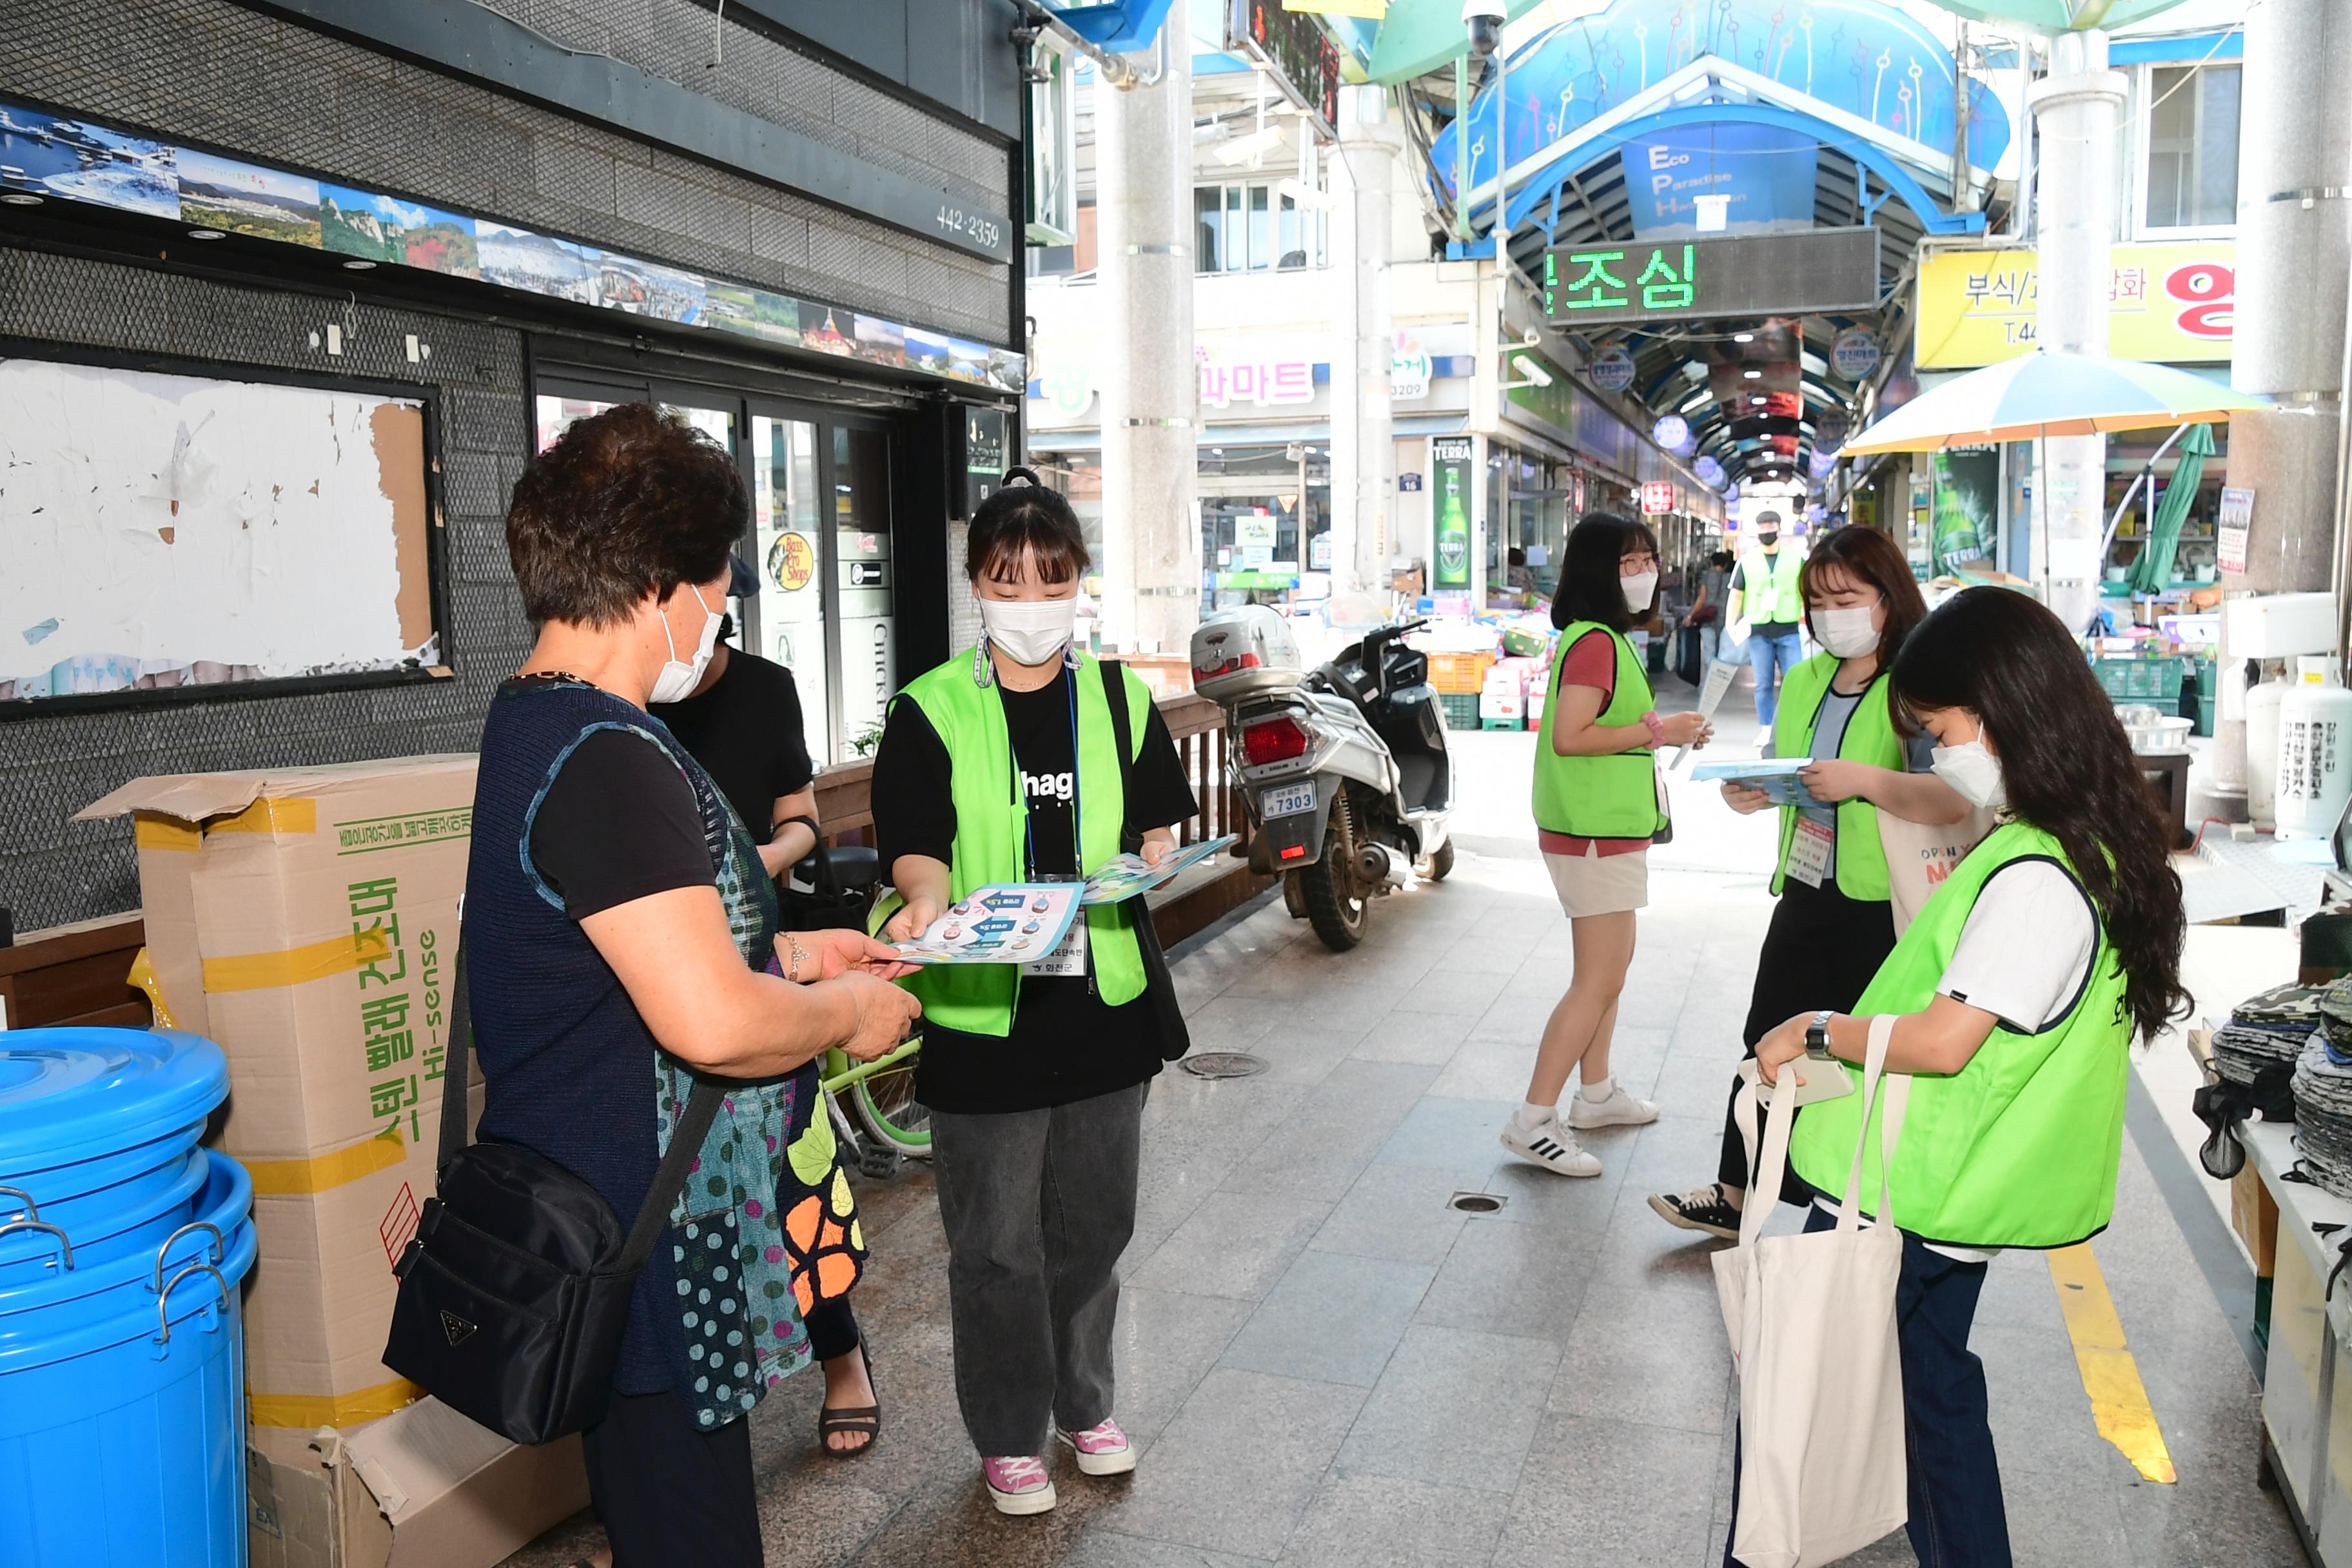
[1743, 275]
[1657, 498]
[2170, 303]
[1262, 382]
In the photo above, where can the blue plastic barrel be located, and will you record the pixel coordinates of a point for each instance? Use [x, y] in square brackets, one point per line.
[122, 1358]
[123, 1440]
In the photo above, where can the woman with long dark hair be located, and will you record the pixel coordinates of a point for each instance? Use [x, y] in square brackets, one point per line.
[2016, 993]
[1834, 922]
[1598, 803]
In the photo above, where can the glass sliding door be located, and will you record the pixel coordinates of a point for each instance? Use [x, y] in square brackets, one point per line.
[861, 501]
[791, 616]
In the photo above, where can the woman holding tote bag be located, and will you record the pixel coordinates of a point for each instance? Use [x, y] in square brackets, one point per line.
[2015, 996]
[1835, 918]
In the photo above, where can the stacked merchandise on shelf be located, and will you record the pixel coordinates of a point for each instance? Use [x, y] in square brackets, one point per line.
[2323, 1094]
[2254, 1056]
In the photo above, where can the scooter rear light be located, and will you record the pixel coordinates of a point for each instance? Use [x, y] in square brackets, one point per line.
[1296, 851]
[1272, 741]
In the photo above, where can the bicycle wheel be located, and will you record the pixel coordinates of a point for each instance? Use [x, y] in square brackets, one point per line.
[886, 1106]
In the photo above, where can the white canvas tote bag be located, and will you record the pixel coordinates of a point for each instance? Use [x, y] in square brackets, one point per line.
[1812, 1319]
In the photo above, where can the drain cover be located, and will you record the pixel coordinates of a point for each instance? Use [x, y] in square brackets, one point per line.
[1223, 1064]
[1477, 1202]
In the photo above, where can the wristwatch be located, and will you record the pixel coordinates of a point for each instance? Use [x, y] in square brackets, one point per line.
[1817, 1036]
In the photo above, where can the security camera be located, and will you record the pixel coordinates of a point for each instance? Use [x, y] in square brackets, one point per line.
[1530, 338]
[1536, 373]
[1484, 21]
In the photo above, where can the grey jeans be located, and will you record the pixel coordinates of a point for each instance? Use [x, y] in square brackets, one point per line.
[1038, 1205]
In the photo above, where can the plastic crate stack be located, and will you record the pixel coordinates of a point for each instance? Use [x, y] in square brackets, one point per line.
[2323, 1093]
[2141, 681]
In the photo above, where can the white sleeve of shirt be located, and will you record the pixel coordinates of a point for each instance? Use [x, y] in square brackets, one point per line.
[2027, 947]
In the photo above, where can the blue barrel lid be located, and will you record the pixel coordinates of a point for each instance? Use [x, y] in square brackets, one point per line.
[81, 1094]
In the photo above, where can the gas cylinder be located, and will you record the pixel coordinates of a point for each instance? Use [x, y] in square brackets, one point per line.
[2262, 748]
[2315, 750]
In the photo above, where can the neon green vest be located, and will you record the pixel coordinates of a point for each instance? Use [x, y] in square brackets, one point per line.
[1600, 797]
[991, 833]
[1776, 597]
[1869, 738]
[2020, 1147]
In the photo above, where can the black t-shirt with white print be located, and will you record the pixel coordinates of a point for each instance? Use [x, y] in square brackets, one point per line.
[1066, 1044]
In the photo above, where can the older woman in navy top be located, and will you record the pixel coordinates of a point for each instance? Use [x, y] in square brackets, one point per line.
[622, 940]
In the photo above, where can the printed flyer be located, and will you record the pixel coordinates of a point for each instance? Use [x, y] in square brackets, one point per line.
[1016, 923]
[1128, 876]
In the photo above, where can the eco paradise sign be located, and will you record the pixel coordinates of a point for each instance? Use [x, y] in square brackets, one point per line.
[2168, 303]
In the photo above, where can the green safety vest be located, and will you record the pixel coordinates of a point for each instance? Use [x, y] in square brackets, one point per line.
[1870, 738]
[991, 833]
[1600, 797]
[1776, 598]
[2019, 1148]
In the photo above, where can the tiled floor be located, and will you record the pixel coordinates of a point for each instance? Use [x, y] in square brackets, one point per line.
[1326, 1364]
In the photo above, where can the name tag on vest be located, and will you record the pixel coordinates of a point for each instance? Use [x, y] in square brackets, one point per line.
[1809, 852]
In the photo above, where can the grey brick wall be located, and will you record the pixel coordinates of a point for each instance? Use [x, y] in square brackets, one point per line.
[51, 870]
[218, 73]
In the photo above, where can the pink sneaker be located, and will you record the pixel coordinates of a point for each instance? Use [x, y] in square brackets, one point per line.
[1102, 1450]
[1018, 1484]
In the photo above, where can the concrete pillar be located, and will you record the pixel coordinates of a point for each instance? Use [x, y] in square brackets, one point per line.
[2075, 113]
[1363, 452]
[2294, 258]
[1150, 387]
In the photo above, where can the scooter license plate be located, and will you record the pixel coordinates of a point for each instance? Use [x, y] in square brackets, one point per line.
[1286, 800]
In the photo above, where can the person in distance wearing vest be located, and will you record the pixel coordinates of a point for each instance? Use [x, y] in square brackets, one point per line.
[1598, 805]
[2017, 993]
[1004, 765]
[1834, 924]
[1767, 602]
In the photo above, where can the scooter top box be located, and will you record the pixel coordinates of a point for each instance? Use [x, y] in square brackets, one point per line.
[1242, 651]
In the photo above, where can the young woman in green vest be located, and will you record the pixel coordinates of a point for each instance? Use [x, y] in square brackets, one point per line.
[2016, 994]
[1834, 924]
[1004, 765]
[1598, 802]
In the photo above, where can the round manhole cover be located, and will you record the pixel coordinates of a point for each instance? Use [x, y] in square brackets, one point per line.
[1477, 1202]
[1223, 1064]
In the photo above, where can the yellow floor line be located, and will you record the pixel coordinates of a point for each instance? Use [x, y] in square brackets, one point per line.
[2110, 1376]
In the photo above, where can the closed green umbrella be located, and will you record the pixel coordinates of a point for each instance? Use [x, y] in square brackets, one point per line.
[2152, 573]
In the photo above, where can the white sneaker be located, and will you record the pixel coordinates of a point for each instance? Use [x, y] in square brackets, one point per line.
[1619, 1110]
[1551, 1146]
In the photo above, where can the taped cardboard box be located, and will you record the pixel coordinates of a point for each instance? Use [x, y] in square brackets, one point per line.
[306, 921]
[321, 1303]
[423, 1488]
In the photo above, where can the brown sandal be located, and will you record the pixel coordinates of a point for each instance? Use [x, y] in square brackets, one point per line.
[864, 1418]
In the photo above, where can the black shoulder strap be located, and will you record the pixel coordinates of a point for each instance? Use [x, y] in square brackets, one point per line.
[1123, 729]
[685, 1144]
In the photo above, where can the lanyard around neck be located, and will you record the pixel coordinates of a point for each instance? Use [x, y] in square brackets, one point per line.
[1021, 786]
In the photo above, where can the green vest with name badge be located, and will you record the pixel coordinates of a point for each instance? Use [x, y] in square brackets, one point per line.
[1869, 738]
[1614, 796]
[2020, 1147]
[991, 833]
[1776, 598]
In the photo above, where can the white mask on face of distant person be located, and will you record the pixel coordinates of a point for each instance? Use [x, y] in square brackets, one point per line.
[1847, 631]
[1973, 771]
[677, 678]
[1640, 589]
[1031, 631]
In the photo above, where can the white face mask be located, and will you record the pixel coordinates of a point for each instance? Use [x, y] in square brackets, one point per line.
[677, 678]
[1640, 589]
[1973, 771]
[1030, 631]
[1847, 631]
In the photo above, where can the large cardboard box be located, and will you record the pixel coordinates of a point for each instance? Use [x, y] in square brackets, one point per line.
[306, 920]
[423, 1488]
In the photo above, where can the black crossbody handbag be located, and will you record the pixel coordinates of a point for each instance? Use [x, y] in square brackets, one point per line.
[1159, 984]
[515, 1290]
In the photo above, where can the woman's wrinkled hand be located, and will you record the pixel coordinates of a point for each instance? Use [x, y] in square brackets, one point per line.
[885, 1014]
[841, 949]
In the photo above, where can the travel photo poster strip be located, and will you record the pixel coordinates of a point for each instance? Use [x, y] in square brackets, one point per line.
[45, 155]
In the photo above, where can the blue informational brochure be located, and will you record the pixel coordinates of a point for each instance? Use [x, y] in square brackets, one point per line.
[1776, 776]
[1013, 923]
[1125, 875]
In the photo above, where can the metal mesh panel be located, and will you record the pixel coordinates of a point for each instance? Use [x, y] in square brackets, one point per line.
[216, 72]
[52, 870]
